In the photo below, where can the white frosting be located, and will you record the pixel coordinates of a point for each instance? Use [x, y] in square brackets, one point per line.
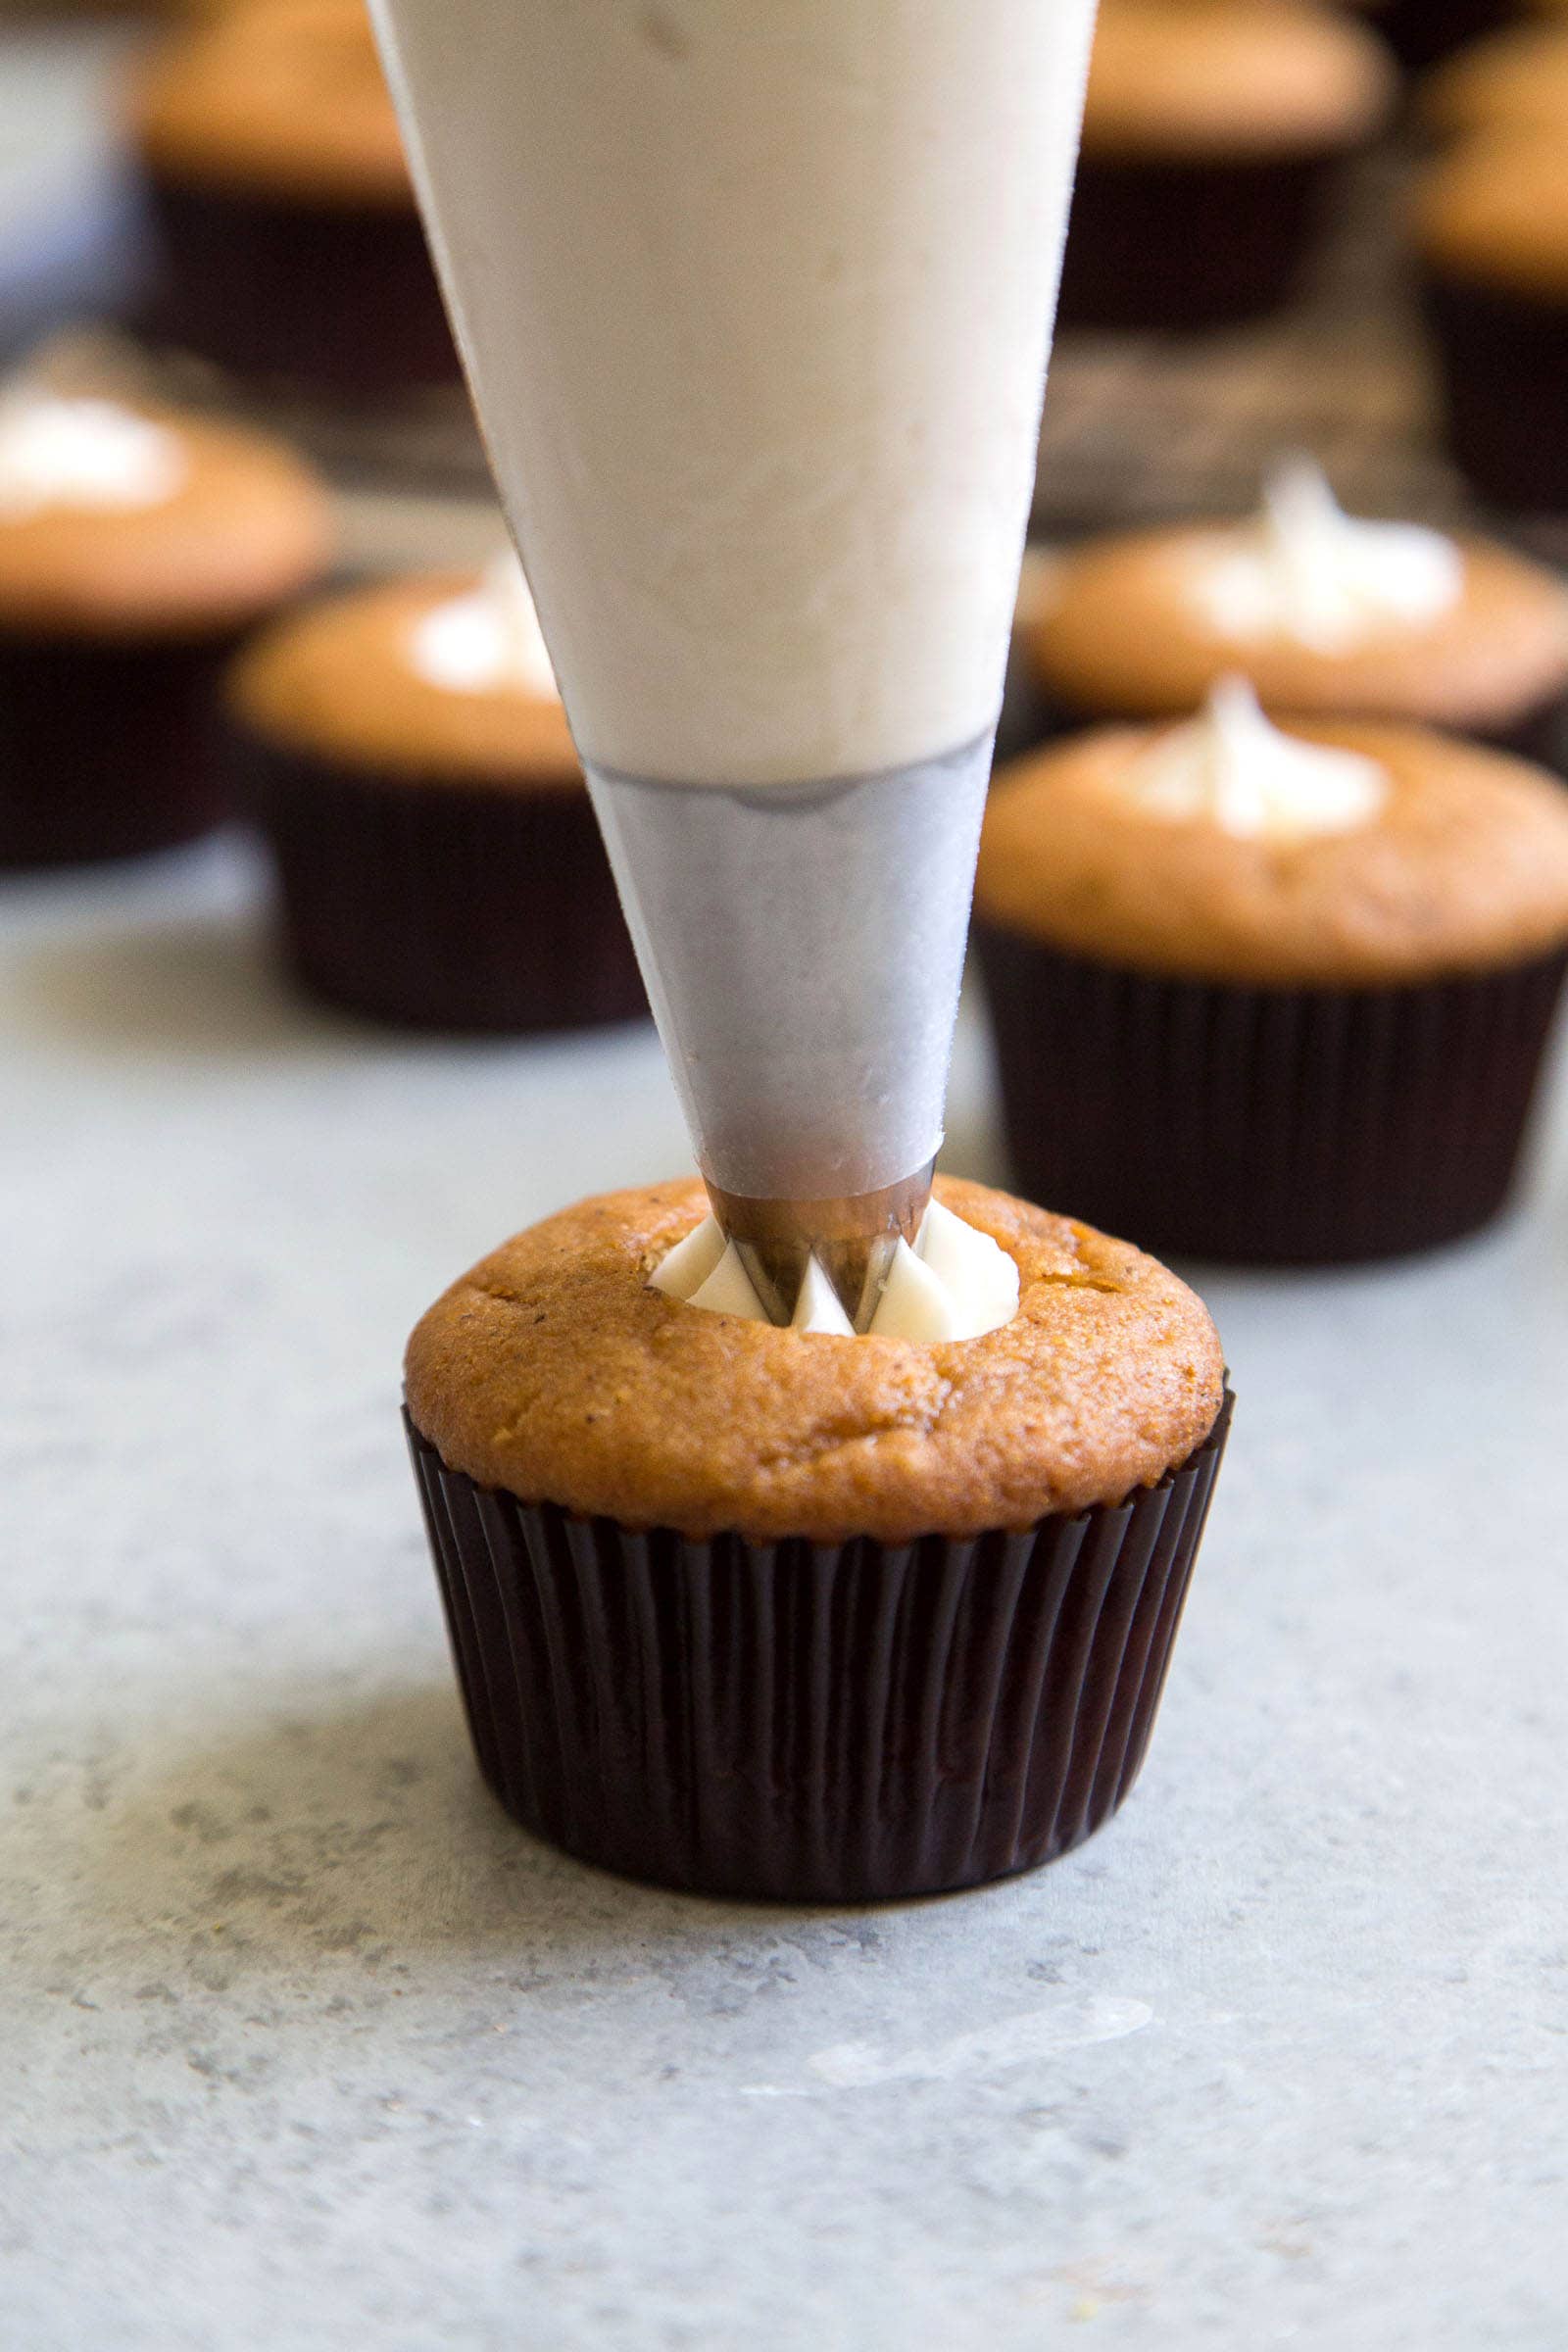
[1229, 765]
[756, 296]
[1305, 570]
[486, 640]
[955, 1284]
[60, 451]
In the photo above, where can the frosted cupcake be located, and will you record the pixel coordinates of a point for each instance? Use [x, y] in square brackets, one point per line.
[285, 220]
[136, 547]
[406, 753]
[792, 1613]
[1214, 136]
[1273, 996]
[1326, 613]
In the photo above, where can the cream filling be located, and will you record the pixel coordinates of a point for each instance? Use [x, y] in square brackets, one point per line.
[1305, 570]
[487, 640]
[955, 1284]
[57, 451]
[1229, 765]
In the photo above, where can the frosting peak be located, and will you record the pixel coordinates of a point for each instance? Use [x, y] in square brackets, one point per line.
[1229, 764]
[64, 451]
[486, 640]
[1306, 569]
[955, 1284]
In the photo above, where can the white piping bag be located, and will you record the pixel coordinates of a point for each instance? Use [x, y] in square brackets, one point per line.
[755, 299]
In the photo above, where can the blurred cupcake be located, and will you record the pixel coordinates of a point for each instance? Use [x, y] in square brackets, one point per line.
[1273, 996]
[409, 759]
[776, 1612]
[1518, 80]
[136, 546]
[1325, 614]
[1492, 229]
[290, 245]
[1213, 135]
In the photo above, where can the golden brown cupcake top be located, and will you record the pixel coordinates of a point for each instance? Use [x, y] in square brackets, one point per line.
[244, 526]
[284, 98]
[340, 681]
[1463, 867]
[1515, 80]
[556, 1372]
[1229, 79]
[1125, 626]
[1494, 212]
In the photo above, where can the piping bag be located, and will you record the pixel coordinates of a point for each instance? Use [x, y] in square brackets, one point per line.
[755, 300]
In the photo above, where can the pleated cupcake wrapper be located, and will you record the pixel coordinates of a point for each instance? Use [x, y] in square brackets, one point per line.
[330, 299]
[841, 1723]
[1290, 1125]
[444, 905]
[1190, 244]
[1503, 362]
[106, 750]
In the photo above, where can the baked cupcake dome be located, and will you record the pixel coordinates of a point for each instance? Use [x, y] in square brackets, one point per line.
[1491, 224]
[755, 1612]
[1135, 625]
[1264, 1048]
[289, 239]
[437, 855]
[121, 597]
[1211, 132]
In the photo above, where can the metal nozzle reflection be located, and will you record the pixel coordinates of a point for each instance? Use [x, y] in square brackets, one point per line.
[853, 1239]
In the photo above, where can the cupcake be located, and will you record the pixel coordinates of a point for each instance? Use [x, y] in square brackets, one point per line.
[406, 756]
[1272, 996]
[1518, 80]
[1492, 229]
[284, 216]
[1214, 136]
[136, 547]
[1328, 615]
[779, 1612]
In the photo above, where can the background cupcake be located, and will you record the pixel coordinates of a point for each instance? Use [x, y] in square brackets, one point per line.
[1212, 136]
[699, 1645]
[288, 241]
[1272, 996]
[1325, 614]
[1492, 229]
[136, 547]
[409, 759]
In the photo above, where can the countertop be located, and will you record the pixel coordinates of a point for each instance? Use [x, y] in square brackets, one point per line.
[305, 2048]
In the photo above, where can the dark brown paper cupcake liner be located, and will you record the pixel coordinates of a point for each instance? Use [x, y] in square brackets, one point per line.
[1166, 244]
[1420, 31]
[463, 907]
[325, 297]
[1503, 363]
[832, 1722]
[106, 750]
[1285, 1126]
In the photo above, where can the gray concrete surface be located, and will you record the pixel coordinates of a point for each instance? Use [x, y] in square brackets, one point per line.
[303, 2049]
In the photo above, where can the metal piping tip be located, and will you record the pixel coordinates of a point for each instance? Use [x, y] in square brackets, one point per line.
[854, 1240]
